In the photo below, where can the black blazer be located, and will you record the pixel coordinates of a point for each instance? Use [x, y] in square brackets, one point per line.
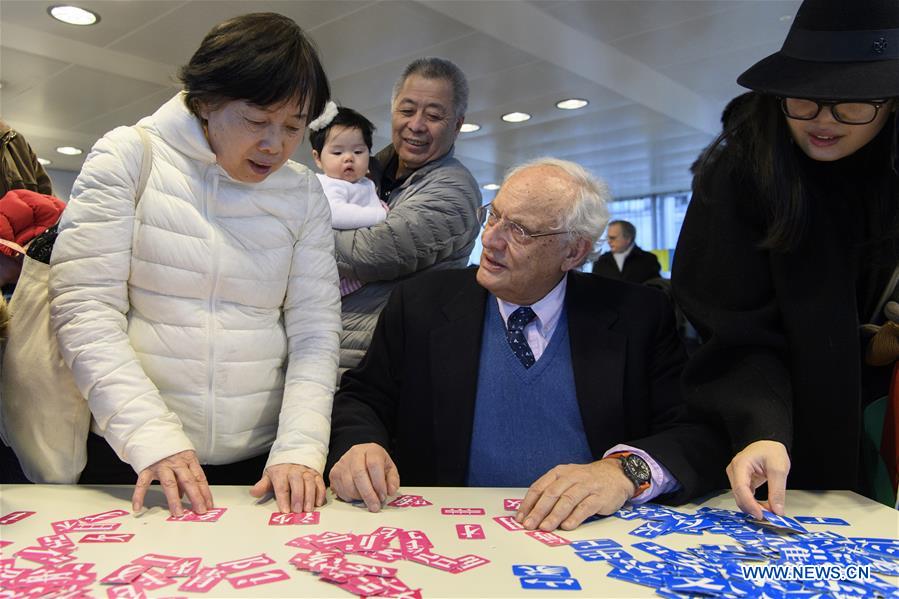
[414, 392]
[639, 266]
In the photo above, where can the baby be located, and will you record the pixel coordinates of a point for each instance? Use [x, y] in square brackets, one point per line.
[341, 146]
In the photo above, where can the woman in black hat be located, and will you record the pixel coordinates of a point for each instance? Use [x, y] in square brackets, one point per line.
[789, 243]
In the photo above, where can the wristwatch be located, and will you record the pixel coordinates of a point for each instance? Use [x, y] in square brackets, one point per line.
[635, 469]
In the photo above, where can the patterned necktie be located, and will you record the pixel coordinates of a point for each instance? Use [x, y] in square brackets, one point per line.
[515, 335]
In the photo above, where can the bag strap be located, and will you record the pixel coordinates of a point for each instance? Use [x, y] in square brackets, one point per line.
[12, 245]
[146, 163]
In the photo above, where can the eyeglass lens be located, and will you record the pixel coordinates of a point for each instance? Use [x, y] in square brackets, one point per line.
[846, 112]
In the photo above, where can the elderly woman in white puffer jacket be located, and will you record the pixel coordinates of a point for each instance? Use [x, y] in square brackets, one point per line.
[202, 325]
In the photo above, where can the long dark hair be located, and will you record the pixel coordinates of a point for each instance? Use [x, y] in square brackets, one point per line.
[756, 140]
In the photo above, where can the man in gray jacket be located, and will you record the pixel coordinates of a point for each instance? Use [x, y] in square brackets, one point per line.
[433, 199]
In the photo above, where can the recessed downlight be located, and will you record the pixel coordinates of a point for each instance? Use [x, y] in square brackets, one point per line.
[469, 127]
[516, 117]
[491, 187]
[571, 103]
[44, 161]
[73, 15]
[70, 150]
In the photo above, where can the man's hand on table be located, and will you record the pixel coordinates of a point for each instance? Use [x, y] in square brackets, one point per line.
[567, 495]
[297, 488]
[365, 472]
[760, 462]
[179, 474]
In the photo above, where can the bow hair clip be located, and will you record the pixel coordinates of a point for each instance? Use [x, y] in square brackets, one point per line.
[325, 118]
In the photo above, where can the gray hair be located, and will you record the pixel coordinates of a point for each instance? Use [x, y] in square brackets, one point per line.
[437, 68]
[589, 214]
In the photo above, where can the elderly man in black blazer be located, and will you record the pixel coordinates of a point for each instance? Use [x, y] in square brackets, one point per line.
[626, 261]
[524, 372]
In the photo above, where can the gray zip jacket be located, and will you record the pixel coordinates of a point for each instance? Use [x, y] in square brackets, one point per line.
[432, 224]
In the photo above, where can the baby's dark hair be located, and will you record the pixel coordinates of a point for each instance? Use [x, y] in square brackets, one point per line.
[346, 117]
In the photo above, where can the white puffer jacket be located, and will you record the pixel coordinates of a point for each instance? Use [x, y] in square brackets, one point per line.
[208, 320]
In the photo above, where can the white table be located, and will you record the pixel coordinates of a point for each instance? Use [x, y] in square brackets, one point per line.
[244, 531]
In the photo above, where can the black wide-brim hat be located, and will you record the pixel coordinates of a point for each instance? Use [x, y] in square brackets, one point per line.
[835, 50]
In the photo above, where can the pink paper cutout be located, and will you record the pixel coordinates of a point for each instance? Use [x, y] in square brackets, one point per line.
[548, 538]
[104, 516]
[279, 519]
[102, 537]
[434, 560]
[13, 517]
[244, 563]
[467, 562]
[364, 585]
[509, 523]
[203, 582]
[79, 526]
[470, 531]
[60, 541]
[463, 511]
[257, 578]
[157, 559]
[212, 515]
[125, 574]
[45, 555]
[153, 579]
[185, 567]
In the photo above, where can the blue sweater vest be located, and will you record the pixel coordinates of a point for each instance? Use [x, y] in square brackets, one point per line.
[526, 421]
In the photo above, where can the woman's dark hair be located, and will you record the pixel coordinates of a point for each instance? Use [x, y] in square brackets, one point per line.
[346, 117]
[756, 140]
[262, 58]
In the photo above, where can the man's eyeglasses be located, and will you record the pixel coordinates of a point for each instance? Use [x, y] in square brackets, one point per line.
[488, 218]
[849, 113]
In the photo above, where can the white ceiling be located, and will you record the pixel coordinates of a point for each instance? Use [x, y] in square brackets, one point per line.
[656, 72]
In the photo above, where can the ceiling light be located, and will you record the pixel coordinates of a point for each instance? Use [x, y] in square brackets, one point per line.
[571, 104]
[516, 117]
[491, 187]
[73, 15]
[44, 161]
[69, 150]
[469, 127]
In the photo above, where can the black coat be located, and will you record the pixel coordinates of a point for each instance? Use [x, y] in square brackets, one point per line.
[639, 266]
[781, 358]
[414, 392]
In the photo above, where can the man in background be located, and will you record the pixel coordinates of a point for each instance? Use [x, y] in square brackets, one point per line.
[626, 261]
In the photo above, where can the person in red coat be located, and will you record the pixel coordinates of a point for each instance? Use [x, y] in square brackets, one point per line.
[24, 215]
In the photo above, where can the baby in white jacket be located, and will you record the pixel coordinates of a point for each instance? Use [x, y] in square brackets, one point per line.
[341, 140]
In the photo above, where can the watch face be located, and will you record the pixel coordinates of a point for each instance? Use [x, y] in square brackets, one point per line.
[638, 468]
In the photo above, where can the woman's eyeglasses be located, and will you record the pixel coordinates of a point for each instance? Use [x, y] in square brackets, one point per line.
[488, 218]
[849, 113]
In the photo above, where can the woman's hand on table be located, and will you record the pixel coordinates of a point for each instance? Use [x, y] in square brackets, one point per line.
[179, 474]
[297, 488]
[760, 462]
